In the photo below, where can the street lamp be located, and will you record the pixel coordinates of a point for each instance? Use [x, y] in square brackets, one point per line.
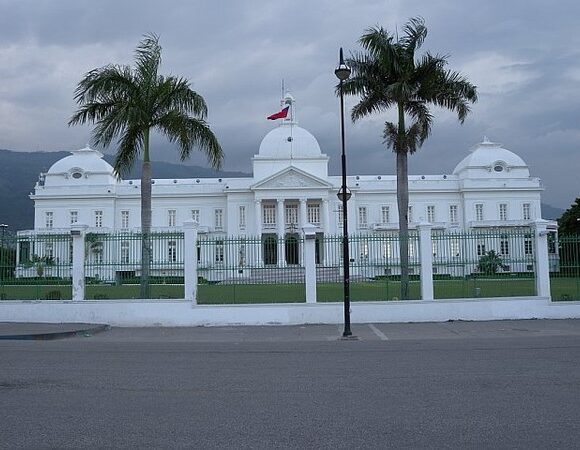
[342, 72]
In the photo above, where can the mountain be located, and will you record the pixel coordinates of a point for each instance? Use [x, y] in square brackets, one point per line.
[551, 212]
[19, 172]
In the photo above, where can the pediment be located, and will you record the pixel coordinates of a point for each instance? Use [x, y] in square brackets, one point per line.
[292, 178]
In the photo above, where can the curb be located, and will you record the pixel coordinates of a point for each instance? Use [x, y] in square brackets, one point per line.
[55, 335]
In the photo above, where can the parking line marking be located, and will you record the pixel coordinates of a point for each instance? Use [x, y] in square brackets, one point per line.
[378, 332]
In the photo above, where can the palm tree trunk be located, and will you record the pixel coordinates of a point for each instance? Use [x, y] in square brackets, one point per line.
[146, 220]
[403, 205]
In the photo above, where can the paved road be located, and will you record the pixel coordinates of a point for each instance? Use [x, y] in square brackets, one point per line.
[450, 385]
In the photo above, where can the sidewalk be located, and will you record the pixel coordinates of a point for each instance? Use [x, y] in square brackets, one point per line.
[47, 331]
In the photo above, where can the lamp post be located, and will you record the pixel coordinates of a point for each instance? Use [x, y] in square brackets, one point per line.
[342, 72]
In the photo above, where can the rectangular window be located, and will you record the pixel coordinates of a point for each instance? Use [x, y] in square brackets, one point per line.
[480, 249]
[503, 211]
[431, 213]
[97, 252]
[528, 249]
[387, 249]
[48, 219]
[385, 215]
[340, 215]
[172, 251]
[454, 247]
[291, 215]
[219, 219]
[24, 253]
[410, 215]
[219, 251]
[526, 211]
[552, 242]
[49, 251]
[269, 216]
[124, 252]
[364, 250]
[195, 215]
[98, 219]
[504, 248]
[313, 211]
[171, 217]
[362, 217]
[74, 217]
[453, 216]
[412, 251]
[242, 217]
[479, 212]
[124, 219]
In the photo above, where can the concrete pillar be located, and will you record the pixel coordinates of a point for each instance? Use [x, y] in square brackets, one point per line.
[280, 232]
[426, 257]
[303, 219]
[190, 261]
[258, 223]
[302, 222]
[325, 230]
[542, 261]
[310, 262]
[78, 261]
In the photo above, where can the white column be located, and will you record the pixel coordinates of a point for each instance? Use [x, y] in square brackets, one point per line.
[258, 222]
[302, 222]
[78, 261]
[325, 230]
[310, 262]
[190, 261]
[303, 215]
[542, 261]
[280, 232]
[426, 256]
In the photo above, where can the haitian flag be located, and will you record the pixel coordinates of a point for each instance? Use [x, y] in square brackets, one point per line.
[279, 115]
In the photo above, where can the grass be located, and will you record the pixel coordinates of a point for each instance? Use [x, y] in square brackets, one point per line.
[563, 288]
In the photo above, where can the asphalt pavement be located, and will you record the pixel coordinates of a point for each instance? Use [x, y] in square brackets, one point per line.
[505, 384]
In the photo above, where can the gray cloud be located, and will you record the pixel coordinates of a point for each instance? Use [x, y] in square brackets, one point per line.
[522, 54]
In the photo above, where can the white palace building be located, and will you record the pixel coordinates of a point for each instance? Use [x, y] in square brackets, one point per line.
[490, 188]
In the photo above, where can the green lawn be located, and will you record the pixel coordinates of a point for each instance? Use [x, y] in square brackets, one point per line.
[562, 289]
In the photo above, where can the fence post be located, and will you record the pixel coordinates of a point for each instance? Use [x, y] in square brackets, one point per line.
[310, 262]
[78, 261]
[426, 256]
[190, 261]
[542, 262]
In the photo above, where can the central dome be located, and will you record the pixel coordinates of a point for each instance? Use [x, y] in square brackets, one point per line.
[289, 141]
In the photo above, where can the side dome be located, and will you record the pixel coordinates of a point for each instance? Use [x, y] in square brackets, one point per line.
[490, 160]
[85, 166]
[289, 141]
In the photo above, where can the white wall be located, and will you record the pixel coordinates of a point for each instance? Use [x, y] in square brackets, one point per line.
[181, 313]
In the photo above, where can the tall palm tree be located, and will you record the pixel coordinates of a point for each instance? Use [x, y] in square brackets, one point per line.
[386, 74]
[126, 103]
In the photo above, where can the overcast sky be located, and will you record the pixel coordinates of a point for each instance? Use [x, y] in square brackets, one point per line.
[524, 56]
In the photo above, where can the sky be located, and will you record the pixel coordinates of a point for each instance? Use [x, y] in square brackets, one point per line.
[524, 57]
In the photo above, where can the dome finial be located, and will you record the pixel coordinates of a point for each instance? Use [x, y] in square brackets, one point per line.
[289, 101]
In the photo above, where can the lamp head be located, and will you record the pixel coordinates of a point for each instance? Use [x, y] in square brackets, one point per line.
[342, 72]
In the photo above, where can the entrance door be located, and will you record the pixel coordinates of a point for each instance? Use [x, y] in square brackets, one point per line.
[270, 249]
[292, 248]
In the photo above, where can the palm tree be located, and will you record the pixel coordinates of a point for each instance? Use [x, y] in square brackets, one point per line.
[126, 103]
[385, 75]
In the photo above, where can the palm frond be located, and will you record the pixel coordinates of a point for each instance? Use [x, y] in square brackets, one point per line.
[189, 133]
[415, 33]
[128, 151]
[148, 58]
